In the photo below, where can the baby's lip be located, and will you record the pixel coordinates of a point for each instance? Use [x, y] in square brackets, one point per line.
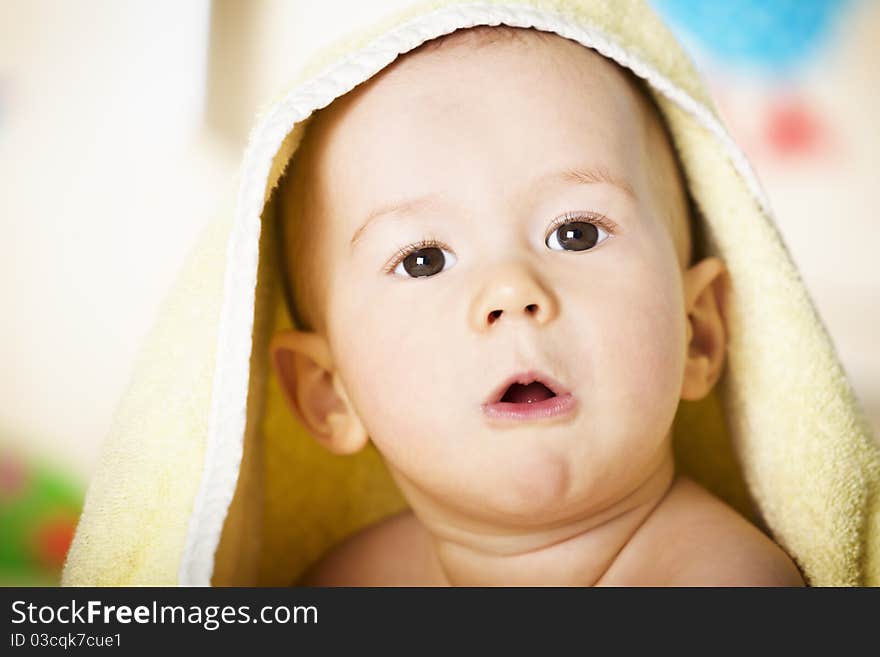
[524, 378]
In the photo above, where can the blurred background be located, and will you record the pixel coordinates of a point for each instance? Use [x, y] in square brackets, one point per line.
[122, 123]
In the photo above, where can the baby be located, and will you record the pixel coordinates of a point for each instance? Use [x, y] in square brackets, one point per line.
[489, 255]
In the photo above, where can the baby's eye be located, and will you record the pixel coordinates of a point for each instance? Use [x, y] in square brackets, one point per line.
[576, 235]
[425, 261]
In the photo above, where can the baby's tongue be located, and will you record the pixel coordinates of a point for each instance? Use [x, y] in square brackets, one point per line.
[529, 394]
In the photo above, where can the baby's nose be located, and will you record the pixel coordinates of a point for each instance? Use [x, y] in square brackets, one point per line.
[512, 292]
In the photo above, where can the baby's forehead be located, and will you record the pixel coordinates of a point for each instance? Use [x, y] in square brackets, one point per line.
[543, 86]
[505, 54]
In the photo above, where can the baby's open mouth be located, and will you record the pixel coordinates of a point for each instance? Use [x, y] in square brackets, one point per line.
[530, 393]
[530, 387]
[528, 396]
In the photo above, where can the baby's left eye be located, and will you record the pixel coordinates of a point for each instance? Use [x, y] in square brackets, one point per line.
[576, 236]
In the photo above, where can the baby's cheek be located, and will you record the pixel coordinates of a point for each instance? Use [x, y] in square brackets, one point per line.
[388, 357]
[646, 357]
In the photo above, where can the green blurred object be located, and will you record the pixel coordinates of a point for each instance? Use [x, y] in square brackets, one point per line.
[39, 508]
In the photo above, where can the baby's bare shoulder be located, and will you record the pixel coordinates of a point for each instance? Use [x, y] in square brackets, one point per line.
[695, 539]
[388, 553]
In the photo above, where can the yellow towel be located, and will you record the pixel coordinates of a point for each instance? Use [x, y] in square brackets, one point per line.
[206, 478]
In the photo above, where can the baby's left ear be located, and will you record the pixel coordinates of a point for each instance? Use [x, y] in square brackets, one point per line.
[706, 288]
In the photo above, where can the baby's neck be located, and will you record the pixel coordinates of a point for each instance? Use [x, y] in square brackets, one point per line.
[576, 554]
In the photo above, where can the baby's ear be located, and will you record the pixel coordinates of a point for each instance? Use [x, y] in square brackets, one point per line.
[706, 287]
[314, 391]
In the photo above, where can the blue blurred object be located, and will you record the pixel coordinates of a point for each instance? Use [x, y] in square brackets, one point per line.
[774, 35]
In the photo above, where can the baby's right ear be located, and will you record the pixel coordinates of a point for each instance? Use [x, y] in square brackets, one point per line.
[314, 392]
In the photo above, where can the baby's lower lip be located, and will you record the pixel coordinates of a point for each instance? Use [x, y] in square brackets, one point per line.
[552, 407]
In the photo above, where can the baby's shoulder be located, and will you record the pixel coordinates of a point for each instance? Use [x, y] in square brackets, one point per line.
[695, 539]
[388, 553]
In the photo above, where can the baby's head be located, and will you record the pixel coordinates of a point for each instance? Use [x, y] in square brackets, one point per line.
[499, 202]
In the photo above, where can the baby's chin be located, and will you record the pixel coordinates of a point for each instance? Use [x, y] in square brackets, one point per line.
[533, 485]
[530, 489]
[529, 476]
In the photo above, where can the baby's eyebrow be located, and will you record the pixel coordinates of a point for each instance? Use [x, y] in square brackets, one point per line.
[588, 176]
[409, 205]
[579, 175]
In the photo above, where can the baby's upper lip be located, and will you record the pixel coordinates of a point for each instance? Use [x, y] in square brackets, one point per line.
[525, 378]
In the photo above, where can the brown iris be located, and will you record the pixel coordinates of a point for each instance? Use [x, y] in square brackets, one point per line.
[424, 262]
[577, 235]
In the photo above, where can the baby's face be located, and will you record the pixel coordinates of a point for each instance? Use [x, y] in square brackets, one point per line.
[538, 197]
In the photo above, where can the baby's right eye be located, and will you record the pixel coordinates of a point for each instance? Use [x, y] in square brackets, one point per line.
[423, 259]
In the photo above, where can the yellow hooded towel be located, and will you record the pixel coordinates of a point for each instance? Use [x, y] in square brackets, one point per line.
[207, 479]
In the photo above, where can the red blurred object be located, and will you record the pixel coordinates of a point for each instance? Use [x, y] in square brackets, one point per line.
[793, 129]
[51, 541]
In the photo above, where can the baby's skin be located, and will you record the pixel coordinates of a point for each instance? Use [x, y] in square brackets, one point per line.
[491, 258]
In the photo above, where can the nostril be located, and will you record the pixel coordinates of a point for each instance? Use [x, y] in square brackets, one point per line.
[495, 314]
[532, 308]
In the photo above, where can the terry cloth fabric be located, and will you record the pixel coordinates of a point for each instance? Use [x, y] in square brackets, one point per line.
[206, 477]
